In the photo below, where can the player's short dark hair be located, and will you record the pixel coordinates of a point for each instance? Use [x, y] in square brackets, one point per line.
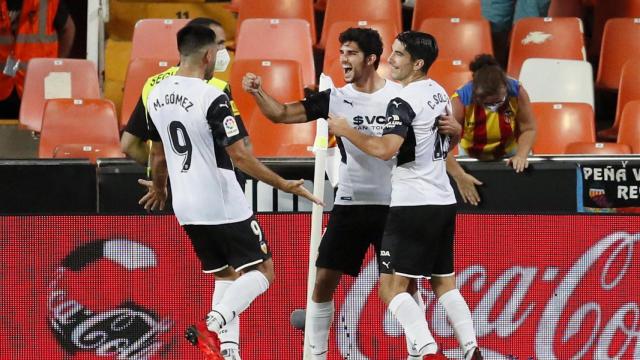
[203, 21]
[420, 46]
[488, 76]
[368, 40]
[192, 38]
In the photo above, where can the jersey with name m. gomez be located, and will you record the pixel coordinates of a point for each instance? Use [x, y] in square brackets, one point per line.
[195, 123]
[420, 176]
[363, 179]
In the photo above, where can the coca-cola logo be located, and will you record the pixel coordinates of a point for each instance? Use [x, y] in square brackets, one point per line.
[584, 308]
[125, 329]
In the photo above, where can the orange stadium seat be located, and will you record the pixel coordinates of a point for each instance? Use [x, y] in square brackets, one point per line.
[559, 124]
[459, 39]
[621, 42]
[566, 8]
[320, 5]
[450, 74]
[283, 80]
[358, 10]
[629, 90]
[332, 66]
[88, 151]
[278, 9]
[55, 78]
[138, 72]
[278, 39]
[77, 121]
[551, 38]
[463, 9]
[603, 10]
[597, 148]
[629, 133]
[146, 34]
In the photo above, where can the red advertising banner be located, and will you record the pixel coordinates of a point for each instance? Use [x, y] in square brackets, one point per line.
[126, 287]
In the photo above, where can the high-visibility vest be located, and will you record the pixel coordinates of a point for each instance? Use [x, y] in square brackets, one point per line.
[35, 37]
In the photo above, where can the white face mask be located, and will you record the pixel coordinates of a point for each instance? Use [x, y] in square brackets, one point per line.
[222, 60]
[495, 106]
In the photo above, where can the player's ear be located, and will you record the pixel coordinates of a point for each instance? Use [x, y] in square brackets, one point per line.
[418, 64]
[371, 59]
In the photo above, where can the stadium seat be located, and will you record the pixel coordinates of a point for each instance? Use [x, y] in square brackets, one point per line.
[283, 80]
[332, 66]
[278, 9]
[145, 44]
[358, 10]
[559, 124]
[450, 74]
[137, 74]
[597, 148]
[552, 38]
[234, 5]
[88, 151]
[603, 10]
[629, 133]
[629, 90]
[428, 9]
[278, 39]
[556, 80]
[320, 5]
[460, 39]
[566, 8]
[55, 78]
[621, 42]
[77, 121]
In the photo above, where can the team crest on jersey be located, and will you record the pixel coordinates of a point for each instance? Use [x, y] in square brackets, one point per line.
[230, 126]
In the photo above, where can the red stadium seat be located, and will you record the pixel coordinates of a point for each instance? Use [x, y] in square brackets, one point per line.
[450, 74]
[597, 148]
[629, 133]
[278, 9]
[629, 90]
[283, 80]
[138, 72]
[88, 151]
[605, 10]
[145, 42]
[621, 42]
[559, 124]
[566, 8]
[278, 39]
[55, 78]
[359, 10]
[459, 39]
[551, 38]
[77, 121]
[463, 9]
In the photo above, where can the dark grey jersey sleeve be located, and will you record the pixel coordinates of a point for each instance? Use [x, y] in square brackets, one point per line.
[317, 105]
[226, 128]
[399, 115]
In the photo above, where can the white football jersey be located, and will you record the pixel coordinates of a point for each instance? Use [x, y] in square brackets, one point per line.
[195, 123]
[420, 176]
[364, 179]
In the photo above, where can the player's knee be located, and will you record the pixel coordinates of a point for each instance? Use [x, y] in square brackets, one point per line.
[266, 268]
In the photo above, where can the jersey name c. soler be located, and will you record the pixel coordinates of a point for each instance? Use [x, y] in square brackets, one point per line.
[195, 123]
[420, 177]
[363, 179]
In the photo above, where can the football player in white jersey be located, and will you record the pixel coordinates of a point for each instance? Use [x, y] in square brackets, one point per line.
[202, 144]
[364, 192]
[418, 238]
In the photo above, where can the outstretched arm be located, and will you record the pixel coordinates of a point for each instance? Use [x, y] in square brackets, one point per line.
[383, 147]
[274, 110]
[527, 126]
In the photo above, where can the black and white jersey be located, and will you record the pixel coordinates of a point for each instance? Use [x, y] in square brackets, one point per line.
[420, 177]
[195, 123]
[364, 179]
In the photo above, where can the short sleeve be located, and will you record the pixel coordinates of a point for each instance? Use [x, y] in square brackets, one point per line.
[137, 124]
[399, 115]
[316, 105]
[226, 128]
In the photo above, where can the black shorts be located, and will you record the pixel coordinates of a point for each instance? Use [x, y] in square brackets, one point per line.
[418, 241]
[350, 231]
[239, 245]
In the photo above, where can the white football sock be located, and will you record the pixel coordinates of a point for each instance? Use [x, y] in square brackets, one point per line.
[460, 320]
[320, 317]
[413, 352]
[230, 334]
[237, 299]
[404, 307]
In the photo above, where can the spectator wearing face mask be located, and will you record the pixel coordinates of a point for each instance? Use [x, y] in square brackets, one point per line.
[497, 122]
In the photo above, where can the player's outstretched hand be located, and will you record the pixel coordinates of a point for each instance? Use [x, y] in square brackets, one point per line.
[296, 187]
[154, 199]
[338, 126]
[251, 83]
[518, 163]
[467, 188]
[448, 125]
